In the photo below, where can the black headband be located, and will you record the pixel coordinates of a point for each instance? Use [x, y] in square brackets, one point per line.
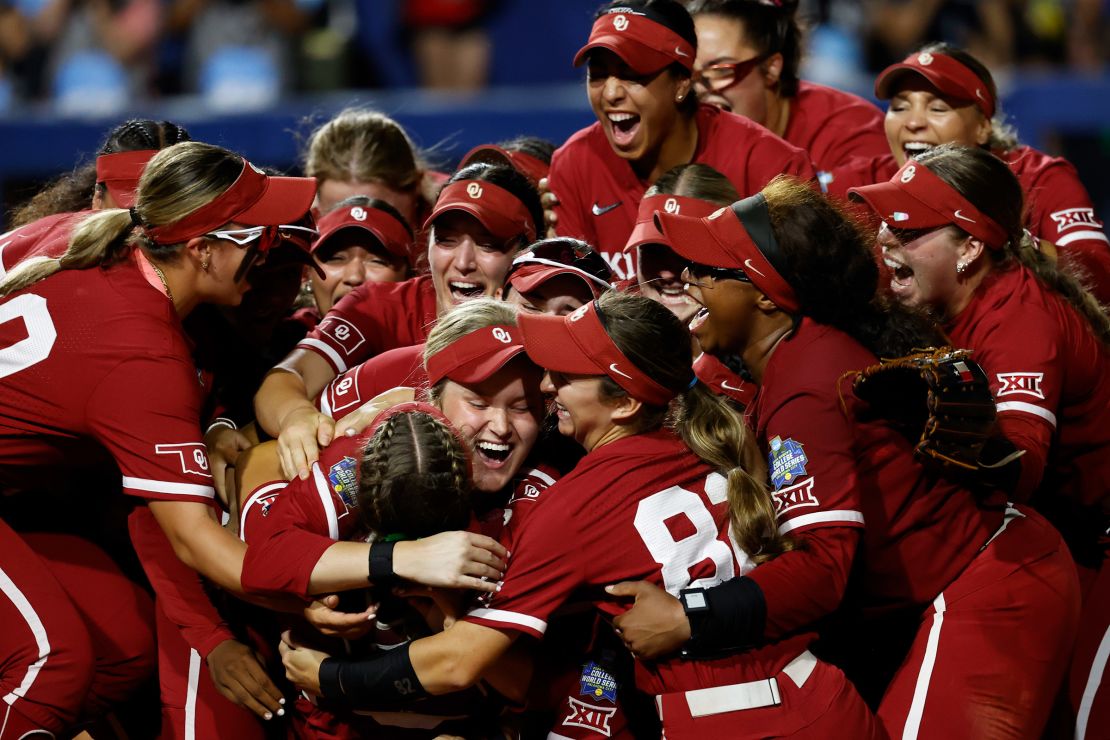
[756, 220]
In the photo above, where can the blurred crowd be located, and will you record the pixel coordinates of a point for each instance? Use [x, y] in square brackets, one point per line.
[98, 56]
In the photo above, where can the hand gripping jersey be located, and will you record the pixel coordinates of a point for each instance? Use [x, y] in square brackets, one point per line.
[640, 508]
[373, 318]
[834, 126]
[94, 360]
[401, 367]
[599, 193]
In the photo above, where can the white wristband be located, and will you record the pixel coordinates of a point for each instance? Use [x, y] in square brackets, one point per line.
[221, 421]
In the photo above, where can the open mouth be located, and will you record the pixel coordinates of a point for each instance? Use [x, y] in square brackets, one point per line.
[698, 320]
[718, 101]
[464, 290]
[674, 295]
[493, 454]
[901, 277]
[913, 148]
[624, 127]
[560, 410]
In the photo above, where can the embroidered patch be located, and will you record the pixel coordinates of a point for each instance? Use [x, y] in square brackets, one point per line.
[590, 717]
[343, 477]
[787, 461]
[597, 682]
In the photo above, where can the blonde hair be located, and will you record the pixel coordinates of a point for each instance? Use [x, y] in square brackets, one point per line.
[460, 321]
[177, 181]
[366, 146]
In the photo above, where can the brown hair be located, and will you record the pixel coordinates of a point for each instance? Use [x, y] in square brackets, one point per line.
[657, 343]
[770, 29]
[695, 180]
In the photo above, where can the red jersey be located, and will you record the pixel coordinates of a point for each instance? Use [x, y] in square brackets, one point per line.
[599, 193]
[46, 237]
[1049, 374]
[398, 368]
[373, 318]
[644, 508]
[832, 469]
[96, 360]
[834, 126]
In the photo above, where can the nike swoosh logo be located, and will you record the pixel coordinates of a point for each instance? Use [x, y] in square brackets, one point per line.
[602, 210]
[680, 52]
[727, 387]
[749, 266]
[959, 215]
[613, 367]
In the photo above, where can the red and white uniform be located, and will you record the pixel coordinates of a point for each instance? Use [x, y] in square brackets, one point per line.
[373, 318]
[648, 509]
[925, 551]
[1049, 381]
[834, 126]
[46, 237]
[398, 368]
[599, 193]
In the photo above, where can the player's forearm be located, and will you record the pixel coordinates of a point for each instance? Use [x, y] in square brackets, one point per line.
[343, 566]
[282, 392]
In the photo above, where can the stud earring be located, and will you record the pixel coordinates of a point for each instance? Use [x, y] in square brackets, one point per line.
[961, 267]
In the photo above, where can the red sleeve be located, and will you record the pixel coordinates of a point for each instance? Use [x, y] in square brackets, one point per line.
[146, 412]
[349, 333]
[772, 157]
[806, 584]
[526, 495]
[566, 184]
[181, 595]
[287, 534]
[401, 367]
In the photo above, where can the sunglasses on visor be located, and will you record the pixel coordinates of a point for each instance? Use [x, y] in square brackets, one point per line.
[259, 240]
[557, 254]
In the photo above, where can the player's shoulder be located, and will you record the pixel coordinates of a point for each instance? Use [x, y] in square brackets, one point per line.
[583, 147]
[1032, 165]
[835, 103]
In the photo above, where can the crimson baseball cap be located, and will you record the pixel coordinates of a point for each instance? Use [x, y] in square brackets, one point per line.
[501, 212]
[531, 167]
[392, 233]
[641, 38]
[738, 237]
[476, 356]
[646, 232]
[916, 198]
[578, 344]
[120, 173]
[952, 78]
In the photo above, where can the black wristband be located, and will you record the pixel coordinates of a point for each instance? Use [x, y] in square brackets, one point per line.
[389, 677]
[381, 562]
[734, 619]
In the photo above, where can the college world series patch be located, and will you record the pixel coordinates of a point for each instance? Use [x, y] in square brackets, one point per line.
[786, 461]
[343, 477]
[597, 682]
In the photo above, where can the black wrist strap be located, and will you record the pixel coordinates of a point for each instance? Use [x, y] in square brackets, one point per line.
[381, 562]
[389, 677]
[735, 620]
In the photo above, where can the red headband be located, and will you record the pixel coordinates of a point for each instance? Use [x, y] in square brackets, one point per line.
[725, 239]
[644, 44]
[385, 227]
[476, 356]
[254, 199]
[501, 212]
[412, 407]
[532, 168]
[120, 173]
[578, 344]
[646, 232]
[945, 73]
[915, 198]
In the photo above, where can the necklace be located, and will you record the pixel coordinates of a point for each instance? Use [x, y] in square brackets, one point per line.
[162, 277]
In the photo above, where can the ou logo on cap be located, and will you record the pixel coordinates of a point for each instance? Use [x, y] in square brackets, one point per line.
[620, 22]
[502, 336]
[671, 206]
[579, 312]
[908, 173]
[924, 59]
[358, 213]
[474, 190]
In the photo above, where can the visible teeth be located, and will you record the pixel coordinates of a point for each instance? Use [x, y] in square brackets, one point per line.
[459, 285]
[891, 263]
[493, 447]
[917, 146]
[621, 117]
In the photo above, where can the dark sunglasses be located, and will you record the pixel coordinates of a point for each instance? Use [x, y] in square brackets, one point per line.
[561, 252]
[720, 77]
[701, 272]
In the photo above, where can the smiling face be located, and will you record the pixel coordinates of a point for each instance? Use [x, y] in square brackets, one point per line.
[659, 274]
[583, 414]
[499, 418]
[721, 40]
[920, 118]
[637, 112]
[923, 266]
[726, 313]
[348, 260]
[466, 260]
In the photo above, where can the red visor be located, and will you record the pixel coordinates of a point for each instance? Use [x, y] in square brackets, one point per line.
[646, 232]
[475, 356]
[254, 199]
[120, 173]
[915, 198]
[722, 240]
[645, 45]
[578, 344]
[497, 209]
[946, 74]
[532, 168]
[392, 234]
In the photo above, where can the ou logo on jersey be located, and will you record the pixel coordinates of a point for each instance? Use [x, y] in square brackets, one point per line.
[474, 190]
[342, 332]
[620, 22]
[502, 335]
[358, 213]
[343, 386]
[671, 206]
[908, 173]
[192, 455]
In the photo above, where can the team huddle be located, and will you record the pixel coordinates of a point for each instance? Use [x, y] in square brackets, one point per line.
[747, 412]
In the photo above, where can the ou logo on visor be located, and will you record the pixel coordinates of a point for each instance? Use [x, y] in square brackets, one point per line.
[924, 59]
[671, 206]
[908, 173]
[579, 312]
[502, 336]
[474, 190]
[620, 22]
[358, 213]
